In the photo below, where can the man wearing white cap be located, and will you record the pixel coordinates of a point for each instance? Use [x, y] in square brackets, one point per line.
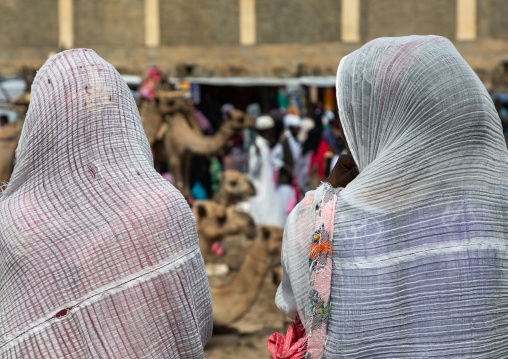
[263, 206]
[292, 126]
[290, 150]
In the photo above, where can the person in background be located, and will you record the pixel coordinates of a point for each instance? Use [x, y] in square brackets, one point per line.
[235, 154]
[503, 115]
[314, 149]
[9, 136]
[147, 88]
[302, 166]
[334, 139]
[292, 129]
[263, 207]
[4, 120]
[291, 151]
[332, 136]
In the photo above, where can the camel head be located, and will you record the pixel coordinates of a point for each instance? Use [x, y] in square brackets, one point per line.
[234, 187]
[171, 102]
[239, 222]
[268, 244]
[210, 221]
[239, 120]
[214, 221]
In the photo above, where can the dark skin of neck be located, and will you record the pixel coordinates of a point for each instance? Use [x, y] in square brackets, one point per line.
[345, 170]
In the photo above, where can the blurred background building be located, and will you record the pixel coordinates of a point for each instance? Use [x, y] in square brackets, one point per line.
[253, 38]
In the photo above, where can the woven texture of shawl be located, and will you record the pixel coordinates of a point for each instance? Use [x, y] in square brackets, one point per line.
[421, 235]
[307, 262]
[100, 255]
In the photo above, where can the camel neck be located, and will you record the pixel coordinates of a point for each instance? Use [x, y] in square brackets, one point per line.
[251, 273]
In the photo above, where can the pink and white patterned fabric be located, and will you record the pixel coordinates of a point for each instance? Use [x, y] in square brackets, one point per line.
[308, 247]
[291, 346]
[99, 254]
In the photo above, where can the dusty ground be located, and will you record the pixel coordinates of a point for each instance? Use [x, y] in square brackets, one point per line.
[246, 338]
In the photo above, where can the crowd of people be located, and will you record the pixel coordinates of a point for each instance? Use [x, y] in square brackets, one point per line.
[285, 156]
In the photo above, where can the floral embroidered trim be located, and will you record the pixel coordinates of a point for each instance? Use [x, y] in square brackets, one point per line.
[320, 264]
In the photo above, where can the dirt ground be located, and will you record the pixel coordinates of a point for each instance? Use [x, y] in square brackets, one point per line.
[247, 337]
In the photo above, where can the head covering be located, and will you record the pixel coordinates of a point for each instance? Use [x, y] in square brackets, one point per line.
[147, 88]
[226, 108]
[264, 122]
[100, 255]
[419, 237]
[327, 117]
[253, 110]
[306, 124]
[291, 121]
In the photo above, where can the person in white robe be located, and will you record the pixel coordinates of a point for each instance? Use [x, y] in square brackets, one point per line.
[290, 150]
[263, 207]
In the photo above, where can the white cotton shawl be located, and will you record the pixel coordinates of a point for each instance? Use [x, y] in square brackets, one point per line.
[420, 240]
[99, 254]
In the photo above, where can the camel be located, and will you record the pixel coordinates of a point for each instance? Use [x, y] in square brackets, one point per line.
[214, 221]
[152, 116]
[170, 119]
[9, 137]
[234, 187]
[232, 301]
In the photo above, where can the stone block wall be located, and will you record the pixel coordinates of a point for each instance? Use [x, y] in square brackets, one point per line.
[297, 21]
[199, 22]
[294, 37]
[115, 23]
[494, 19]
[28, 23]
[410, 17]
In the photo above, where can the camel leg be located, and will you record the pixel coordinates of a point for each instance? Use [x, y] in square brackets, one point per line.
[176, 170]
[186, 159]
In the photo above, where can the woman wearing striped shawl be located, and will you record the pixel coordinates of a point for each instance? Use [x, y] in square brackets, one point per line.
[410, 259]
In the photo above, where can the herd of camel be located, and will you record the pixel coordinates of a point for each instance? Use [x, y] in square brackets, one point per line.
[174, 135]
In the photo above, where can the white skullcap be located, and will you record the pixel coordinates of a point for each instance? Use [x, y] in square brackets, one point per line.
[227, 107]
[264, 122]
[306, 124]
[291, 121]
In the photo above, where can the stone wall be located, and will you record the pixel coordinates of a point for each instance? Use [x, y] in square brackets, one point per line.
[28, 23]
[199, 22]
[494, 19]
[201, 37]
[400, 18]
[117, 23]
[297, 21]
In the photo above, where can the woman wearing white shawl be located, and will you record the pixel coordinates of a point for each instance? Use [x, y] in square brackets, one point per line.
[100, 255]
[419, 239]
